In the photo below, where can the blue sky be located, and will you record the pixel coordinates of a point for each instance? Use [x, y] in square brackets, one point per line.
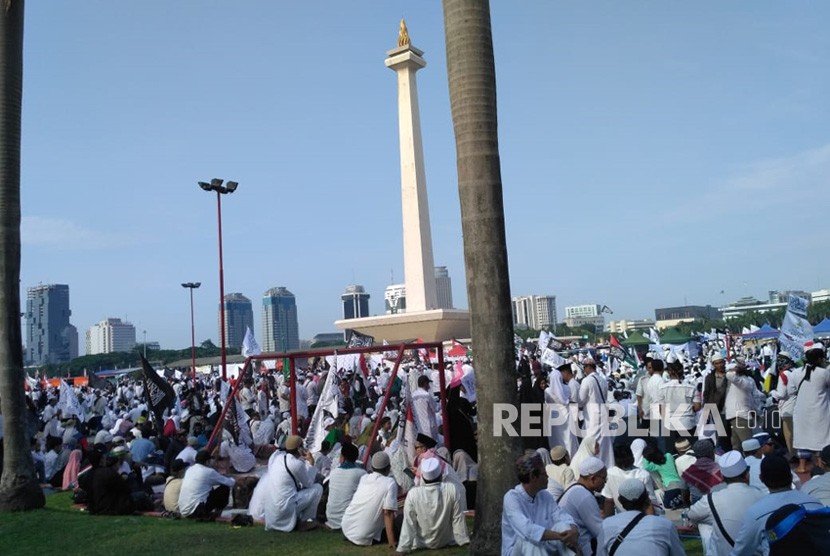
[653, 153]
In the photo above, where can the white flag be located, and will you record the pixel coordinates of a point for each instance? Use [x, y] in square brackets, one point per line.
[249, 345]
[327, 404]
[653, 336]
[68, 402]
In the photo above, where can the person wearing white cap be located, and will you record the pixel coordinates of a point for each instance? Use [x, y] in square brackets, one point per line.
[432, 515]
[532, 523]
[729, 503]
[593, 395]
[811, 415]
[715, 388]
[579, 501]
[786, 403]
[739, 406]
[637, 531]
[370, 516]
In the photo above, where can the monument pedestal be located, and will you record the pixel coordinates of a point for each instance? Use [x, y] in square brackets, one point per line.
[437, 325]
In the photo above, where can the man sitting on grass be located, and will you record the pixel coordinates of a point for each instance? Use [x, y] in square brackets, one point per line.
[204, 492]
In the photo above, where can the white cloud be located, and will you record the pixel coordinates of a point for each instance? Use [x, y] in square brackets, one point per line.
[65, 234]
[758, 187]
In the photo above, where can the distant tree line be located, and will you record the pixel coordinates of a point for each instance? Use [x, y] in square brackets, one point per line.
[816, 312]
[129, 359]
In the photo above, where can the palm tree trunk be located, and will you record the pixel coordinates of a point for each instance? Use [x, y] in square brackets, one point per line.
[19, 489]
[472, 81]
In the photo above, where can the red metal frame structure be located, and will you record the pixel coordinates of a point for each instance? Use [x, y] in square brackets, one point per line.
[400, 348]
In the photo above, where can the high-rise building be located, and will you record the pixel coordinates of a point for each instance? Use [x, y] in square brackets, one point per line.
[394, 298]
[239, 315]
[443, 287]
[279, 321]
[355, 302]
[535, 311]
[109, 336]
[578, 315]
[50, 338]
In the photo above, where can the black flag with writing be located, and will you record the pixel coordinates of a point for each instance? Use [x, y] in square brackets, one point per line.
[356, 339]
[160, 395]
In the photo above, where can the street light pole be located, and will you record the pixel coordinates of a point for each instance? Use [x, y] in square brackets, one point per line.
[192, 286]
[145, 344]
[216, 185]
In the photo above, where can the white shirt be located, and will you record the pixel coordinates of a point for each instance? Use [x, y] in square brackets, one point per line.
[752, 538]
[525, 519]
[616, 476]
[280, 498]
[342, 486]
[677, 399]
[363, 520]
[582, 505]
[653, 535]
[650, 393]
[818, 487]
[197, 483]
[731, 502]
[739, 396]
[432, 518]
[187, 455]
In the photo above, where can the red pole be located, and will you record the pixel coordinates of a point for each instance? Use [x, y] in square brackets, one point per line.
[192, 336]
[292, 379]
[221, 290]
[220, 423]
[382, 407]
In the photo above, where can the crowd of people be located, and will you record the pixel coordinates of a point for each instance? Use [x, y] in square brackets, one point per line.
[630, 453]
[336, 466]
[720, 441]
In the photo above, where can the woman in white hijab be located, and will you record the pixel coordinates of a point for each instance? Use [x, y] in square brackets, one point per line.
[637, 447]
[587, 448]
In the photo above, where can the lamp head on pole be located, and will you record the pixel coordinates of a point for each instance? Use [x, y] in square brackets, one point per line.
[216, 185]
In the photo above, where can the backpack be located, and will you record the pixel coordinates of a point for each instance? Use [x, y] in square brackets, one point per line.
[792, 529]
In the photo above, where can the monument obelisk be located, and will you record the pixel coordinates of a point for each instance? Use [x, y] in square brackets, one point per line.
[419, 266]
[422, 318]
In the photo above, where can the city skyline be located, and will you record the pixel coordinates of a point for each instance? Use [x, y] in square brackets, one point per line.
[671, 144]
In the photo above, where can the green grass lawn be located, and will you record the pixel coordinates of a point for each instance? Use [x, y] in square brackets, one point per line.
[60, 529]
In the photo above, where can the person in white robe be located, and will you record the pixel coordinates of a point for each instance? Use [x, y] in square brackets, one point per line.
[532, 523]
[811, 416]
[593, 396]
[292, 496]
[432, 515]
[424, 408]
[558, 398]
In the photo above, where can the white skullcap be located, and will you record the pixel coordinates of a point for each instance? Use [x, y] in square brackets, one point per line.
[750, 445]
[811, 345]
[631, 489]
[430, 469]
[591, 466]
[732, 464]
[327, 421]
[717, 357]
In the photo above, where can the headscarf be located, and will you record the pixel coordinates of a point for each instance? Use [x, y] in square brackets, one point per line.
[70, 472]
[545, 454]
[637, 448]
[587, 449]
